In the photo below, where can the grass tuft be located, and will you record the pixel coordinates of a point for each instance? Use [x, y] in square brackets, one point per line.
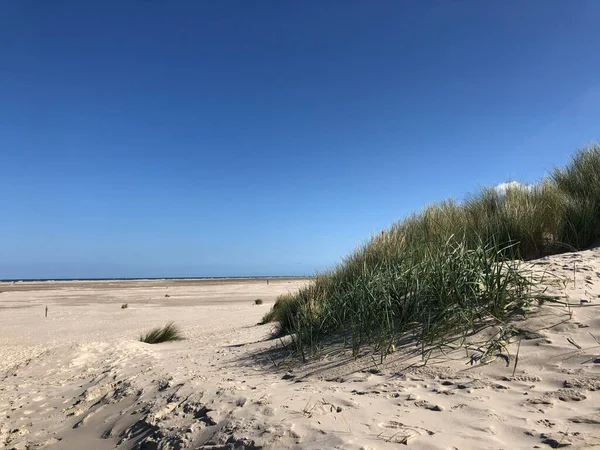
[124, 306]
[258, 301]
[169, 332]
[282, 313]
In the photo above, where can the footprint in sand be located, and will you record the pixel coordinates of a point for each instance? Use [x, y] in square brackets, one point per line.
[401, 433]
[430, 406]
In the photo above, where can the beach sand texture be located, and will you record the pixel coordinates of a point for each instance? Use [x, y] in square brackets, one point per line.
[80, 378]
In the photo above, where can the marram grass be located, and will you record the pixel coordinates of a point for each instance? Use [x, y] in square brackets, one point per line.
[450, 268]
[170, 332]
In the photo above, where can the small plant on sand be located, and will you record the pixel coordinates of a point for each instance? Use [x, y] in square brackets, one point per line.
[124, 306]
[167, 295]
[170, 332]
[258, 301]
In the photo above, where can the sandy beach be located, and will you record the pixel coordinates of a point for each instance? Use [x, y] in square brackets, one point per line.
[79, 378]
[394, 209]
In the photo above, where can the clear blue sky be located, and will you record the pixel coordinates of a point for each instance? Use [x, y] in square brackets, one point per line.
[218, 138]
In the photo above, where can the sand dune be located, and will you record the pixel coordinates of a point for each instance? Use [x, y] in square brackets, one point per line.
[80, 379]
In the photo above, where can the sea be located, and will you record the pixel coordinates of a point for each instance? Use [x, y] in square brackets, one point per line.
[262, 277]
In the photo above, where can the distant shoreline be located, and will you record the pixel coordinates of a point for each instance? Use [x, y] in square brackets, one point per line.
[42, 280]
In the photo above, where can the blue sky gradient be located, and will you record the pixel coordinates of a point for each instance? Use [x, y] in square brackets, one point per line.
[234, 138]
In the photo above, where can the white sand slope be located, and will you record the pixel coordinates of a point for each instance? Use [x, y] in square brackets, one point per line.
[79, 379]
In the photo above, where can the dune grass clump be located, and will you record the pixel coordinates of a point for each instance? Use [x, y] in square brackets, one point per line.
[449, 269]
[580, 185]
[258, 301]
[170, 332]
[282, 312]
[434, 290]
[124, 306]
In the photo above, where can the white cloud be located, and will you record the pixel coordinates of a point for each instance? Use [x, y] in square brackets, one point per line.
[503, 187]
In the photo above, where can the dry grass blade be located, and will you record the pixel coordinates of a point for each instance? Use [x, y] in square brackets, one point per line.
[517, 357]
[573, 343]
